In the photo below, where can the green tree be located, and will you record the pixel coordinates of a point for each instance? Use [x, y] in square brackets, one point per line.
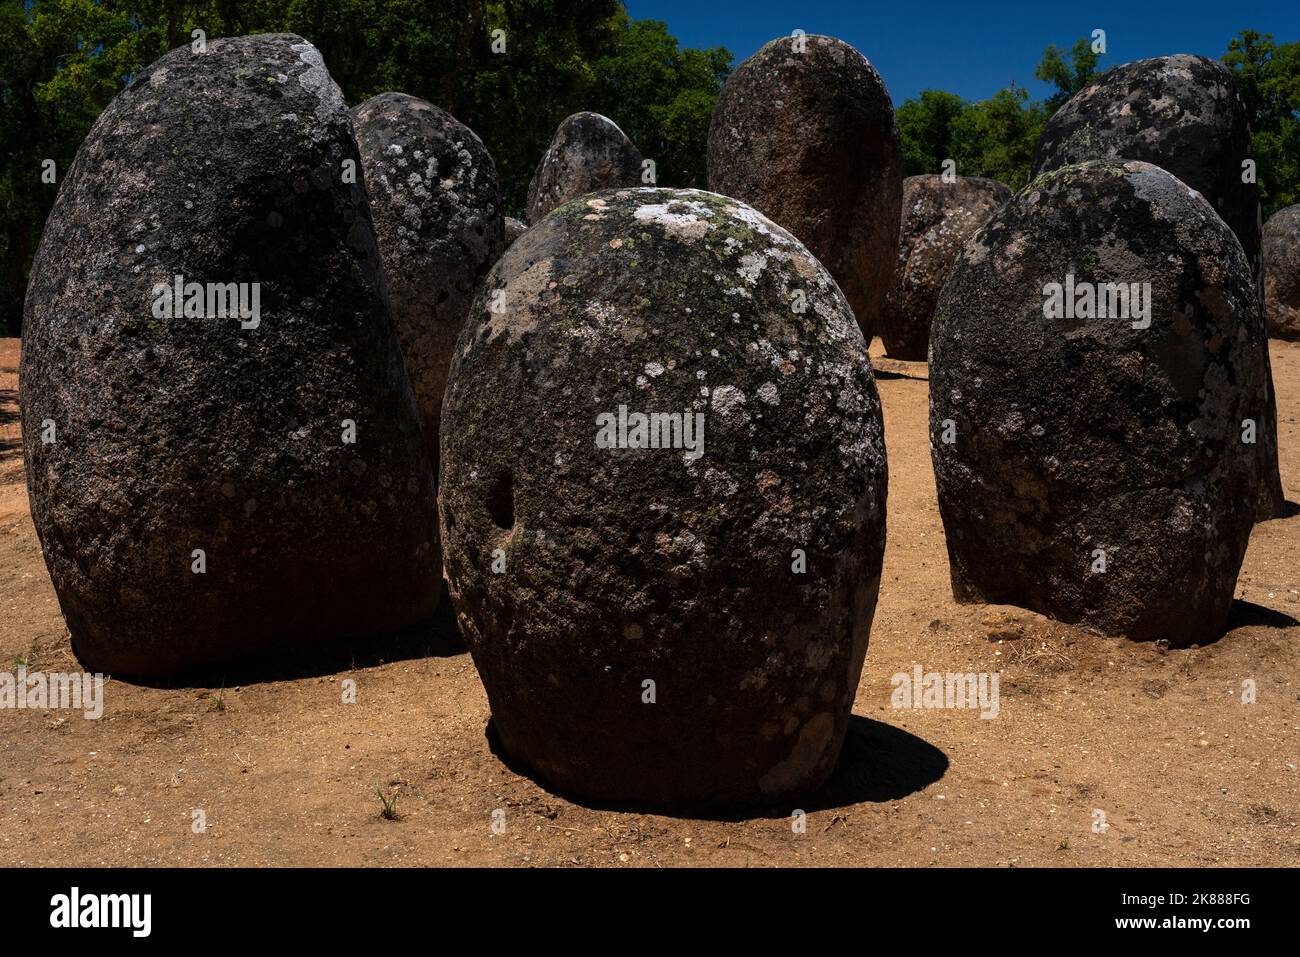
[1268, 76]
[662, 97]
[993, 138]
[1069, 73]
[926, 125]
[996, 137]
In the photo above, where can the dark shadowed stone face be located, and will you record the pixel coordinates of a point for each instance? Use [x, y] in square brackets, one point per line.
[735, 566]
[938, 218]
[1282, 274]
[588, 153]
[179, 432]
[437, 211]
[1094, 468]
[804, 131]
[1182, 113]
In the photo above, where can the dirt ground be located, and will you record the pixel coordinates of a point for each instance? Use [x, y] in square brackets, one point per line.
[285, 773]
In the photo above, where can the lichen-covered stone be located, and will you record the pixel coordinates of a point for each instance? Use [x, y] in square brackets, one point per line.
[436, 206]
[804, 131]
[514, 229]
[740, 581]
[1184, 114]
[1088, 469]
[195, 433]
[1282, 273]
[938, 218]
[588, 153]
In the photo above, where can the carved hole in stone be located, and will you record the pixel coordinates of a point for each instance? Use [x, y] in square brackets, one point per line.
[501, 501]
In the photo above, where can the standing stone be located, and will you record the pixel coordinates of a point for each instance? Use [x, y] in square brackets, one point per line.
[804, 131]
[1088, 469]
[588, 153]
[437, 211]
[1184, 114]
[201, 499]
[514, 229]
[938, 218]
[659, 614]
[1282, 274]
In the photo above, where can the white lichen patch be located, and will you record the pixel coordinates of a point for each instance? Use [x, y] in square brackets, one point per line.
[317, 81]
[727, 401]
[685, 219]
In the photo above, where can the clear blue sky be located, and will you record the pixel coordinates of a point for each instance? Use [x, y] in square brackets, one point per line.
[973, 48]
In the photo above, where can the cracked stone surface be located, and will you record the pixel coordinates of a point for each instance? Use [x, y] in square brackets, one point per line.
[588, 153]
[938, 218]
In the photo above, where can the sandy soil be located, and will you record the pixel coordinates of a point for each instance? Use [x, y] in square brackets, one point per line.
[285, 772]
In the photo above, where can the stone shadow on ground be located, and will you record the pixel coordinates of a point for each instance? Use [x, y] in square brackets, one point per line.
[878, 763]
[1246, 614]
[1290, 509]
[438, 637]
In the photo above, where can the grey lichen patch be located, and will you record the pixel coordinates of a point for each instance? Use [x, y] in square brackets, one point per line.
[317, 81]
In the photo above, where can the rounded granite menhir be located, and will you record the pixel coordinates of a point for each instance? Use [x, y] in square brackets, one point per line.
[200, 498]
[804, 131]
[437, 212]
[938, 217]
[1090, 461]
[663, 500]
[588, 153]
[1184, 114]
[1282, 273]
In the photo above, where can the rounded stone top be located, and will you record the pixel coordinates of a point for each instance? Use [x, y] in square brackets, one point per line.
[588, 153]
[1282, 273]
[804, 131]
[938, 217]
[1183, 113]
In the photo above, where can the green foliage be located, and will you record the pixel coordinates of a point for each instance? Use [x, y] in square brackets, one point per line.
[662, 97]
[1068, 78]
[926, 125]
[993, 138]
[1268, 76]
[62, 61]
